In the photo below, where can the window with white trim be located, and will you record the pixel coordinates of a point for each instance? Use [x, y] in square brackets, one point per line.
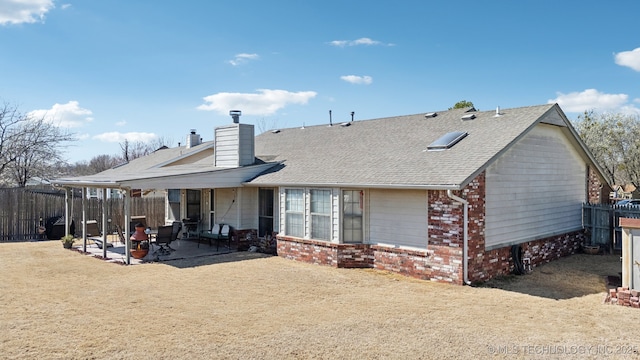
[320, 214]
[294, 212]
[352, 205]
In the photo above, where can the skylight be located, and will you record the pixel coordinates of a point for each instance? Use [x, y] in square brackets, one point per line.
[446, 141]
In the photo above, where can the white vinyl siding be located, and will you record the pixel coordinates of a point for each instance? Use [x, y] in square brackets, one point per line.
[248, 209]
[535, 189]
[226, 207]
[398, 217]
[234, 145]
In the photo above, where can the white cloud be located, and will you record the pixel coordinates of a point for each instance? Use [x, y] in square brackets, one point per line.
[361, 41]
[69, 115]
[24, 11]
[265, 102]
[592, 99]
[629, 59]
[65, 6]
[117, 137]
[243, 58]
[355, 79]
[121, 123]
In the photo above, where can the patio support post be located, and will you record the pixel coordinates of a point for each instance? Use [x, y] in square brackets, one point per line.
[127, 222]
[84, 220]
[104, 223]
[67, 200]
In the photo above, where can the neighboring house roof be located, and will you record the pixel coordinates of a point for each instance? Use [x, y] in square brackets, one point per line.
[36, 180]
[392, 152]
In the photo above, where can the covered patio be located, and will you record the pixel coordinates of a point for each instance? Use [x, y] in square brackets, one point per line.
[129, 177]
[182, 249]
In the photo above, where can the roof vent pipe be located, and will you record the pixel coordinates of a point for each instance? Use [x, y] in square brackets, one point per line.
[235, 115]
[498, 113]
[330, 121]
[352, 113]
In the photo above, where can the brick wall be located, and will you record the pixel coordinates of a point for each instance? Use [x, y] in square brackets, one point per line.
[310, 251]
[597, 190]
[442, 260]
[497, 262]
[441, 264]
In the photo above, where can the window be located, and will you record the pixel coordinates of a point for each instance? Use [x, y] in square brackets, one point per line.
[446, 141]
[193, 204]
[321, 214]
[352, 204]
[173, 199]
[294, 212]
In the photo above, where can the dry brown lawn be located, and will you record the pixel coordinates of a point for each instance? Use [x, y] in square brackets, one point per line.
[60, 304]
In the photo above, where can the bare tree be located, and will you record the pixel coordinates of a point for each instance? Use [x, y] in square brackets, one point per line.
[614, 140]
[102, 162]
[263, 126]
[136, 149]
[29, 147]
[159, 143]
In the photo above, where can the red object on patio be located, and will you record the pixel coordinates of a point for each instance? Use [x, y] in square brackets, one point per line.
[138, 237]
[139, 234]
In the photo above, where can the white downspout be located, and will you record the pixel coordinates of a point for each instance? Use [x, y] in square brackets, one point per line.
[465, 245]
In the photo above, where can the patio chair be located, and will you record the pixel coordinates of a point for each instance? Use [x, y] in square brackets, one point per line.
[212, 234]
[175, 232]
[163, 238]
[94, 234]
[225, 234]
[217, 233]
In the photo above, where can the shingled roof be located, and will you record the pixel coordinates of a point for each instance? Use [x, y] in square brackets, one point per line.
[392, 152]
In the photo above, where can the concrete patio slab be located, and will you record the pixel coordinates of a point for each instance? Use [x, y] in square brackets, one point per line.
[182, 249]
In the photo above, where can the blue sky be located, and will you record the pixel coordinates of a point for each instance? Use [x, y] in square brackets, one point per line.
[110, 70]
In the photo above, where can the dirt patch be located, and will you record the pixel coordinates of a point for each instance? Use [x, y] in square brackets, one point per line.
[570, 277]
[59, 304]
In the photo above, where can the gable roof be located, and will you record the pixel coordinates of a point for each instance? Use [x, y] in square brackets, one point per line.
[392, 152]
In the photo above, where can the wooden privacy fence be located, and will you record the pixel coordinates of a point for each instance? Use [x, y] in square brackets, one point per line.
[22, 211]
[602, 221]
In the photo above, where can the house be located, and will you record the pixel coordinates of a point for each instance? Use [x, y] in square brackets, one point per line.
[452, 196]
[621, 192]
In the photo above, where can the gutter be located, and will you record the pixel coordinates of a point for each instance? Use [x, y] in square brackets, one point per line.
[465, 246]
[354, 185]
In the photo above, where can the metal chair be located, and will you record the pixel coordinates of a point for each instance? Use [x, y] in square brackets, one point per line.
[212, 234]
[225, 234]
[94, 234]
[177, 226]
[163, 238]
